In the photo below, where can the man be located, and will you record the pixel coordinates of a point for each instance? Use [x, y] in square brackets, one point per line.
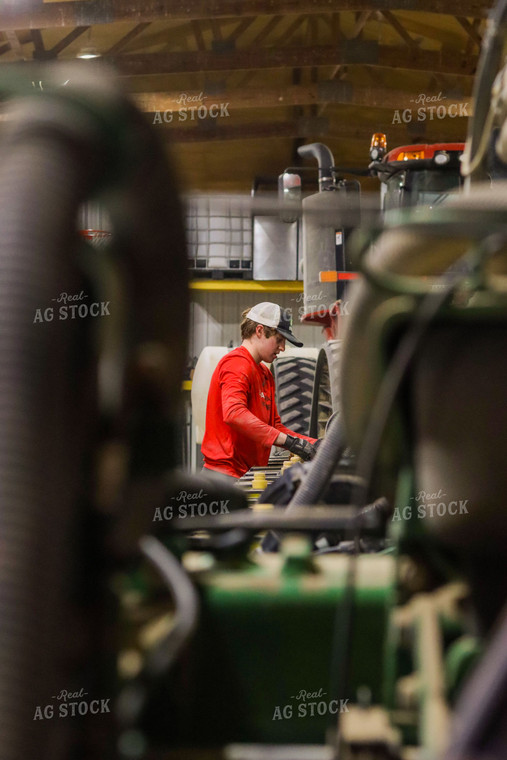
[242, 422]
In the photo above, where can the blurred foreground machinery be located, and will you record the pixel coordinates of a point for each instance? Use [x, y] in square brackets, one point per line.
[285, 659]
[91, 357]
[215, 648]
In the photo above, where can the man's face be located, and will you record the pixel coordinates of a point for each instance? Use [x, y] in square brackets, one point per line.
[269, 348]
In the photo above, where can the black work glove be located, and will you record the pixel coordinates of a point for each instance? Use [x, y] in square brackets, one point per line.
[299, 446]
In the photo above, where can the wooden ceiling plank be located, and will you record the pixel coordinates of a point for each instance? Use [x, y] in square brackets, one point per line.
[470, 30]
[398, 27]
[84, 13]
[124, 41]
[256, 57]
[66, 41]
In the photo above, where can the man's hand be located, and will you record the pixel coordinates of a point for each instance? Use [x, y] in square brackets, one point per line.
[301, 447]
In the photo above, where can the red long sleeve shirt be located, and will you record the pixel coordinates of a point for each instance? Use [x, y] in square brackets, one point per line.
[242, 422]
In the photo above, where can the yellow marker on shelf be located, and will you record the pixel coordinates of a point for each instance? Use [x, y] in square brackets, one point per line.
[259, 482]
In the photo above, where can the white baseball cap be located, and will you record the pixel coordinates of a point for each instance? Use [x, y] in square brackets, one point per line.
[272, 315]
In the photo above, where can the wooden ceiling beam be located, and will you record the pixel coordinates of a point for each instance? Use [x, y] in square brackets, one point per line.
[124, 41]
[470, 29]
[85, 13]
[66, 41]
[342, 93]
[38, 44]
[303, 128]
[264, 32]
[289, 33]
[367, 52]
[14, 43]
[199, 38]
[240, 29]
[361, 21]
[399, 28]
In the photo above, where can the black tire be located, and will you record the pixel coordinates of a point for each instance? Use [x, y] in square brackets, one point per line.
[294, 380]
[326, 390]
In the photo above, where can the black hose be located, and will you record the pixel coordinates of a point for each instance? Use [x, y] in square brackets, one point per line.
[322, 467]
[319, 475]
[132, 701]
[56, 152]
[186, 603]
[42, 428]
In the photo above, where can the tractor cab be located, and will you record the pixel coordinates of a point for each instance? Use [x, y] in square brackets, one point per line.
[416, 175]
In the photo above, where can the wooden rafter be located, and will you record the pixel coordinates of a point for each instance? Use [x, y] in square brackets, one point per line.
[367, 52]
[336, 29]
[66, 41]
[470, 29]
[261, 35]
[124, 41]
[399, 28]
[84, 13]
[361, 21]
[38, 44]
[343, 93]
[302, 128]
[470, 43]
[196, 28]
[291, 30]
[267, 29]
[14, 43]
[216, 29]
[240, 29]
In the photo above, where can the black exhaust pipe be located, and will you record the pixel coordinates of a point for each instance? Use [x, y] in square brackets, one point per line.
[325, 160]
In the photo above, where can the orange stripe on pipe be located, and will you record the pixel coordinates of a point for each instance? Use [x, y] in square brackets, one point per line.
[331, 276]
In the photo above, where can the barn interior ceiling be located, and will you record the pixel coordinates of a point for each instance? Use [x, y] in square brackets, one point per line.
[235, 86]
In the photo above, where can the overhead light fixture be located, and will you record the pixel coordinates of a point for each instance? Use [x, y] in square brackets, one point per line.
[88, 52]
